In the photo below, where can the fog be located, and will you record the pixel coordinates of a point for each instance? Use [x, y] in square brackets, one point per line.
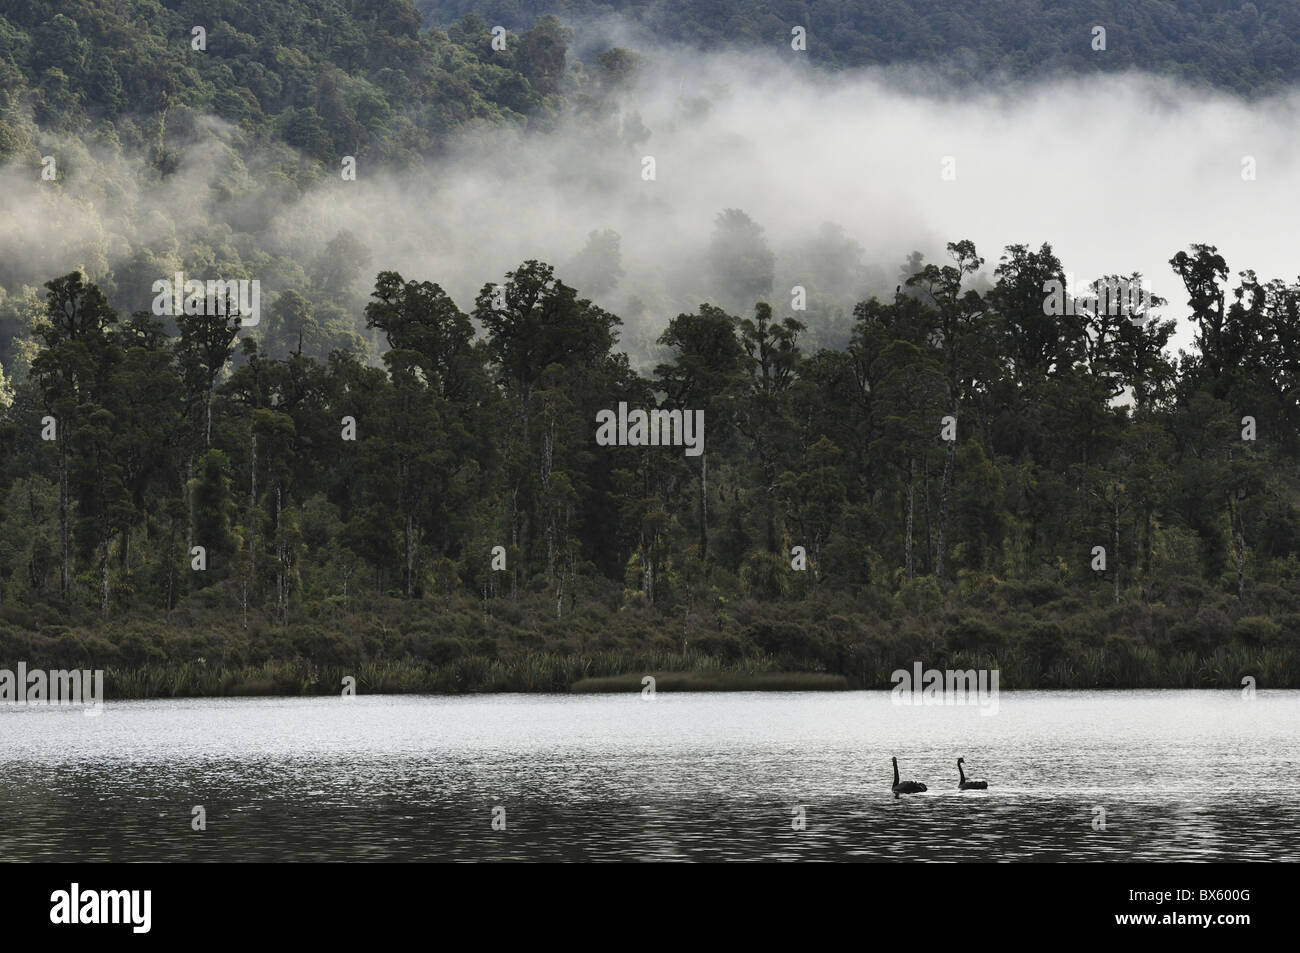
[841, 171]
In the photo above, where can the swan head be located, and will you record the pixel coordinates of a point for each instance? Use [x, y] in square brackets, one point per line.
[961, 760]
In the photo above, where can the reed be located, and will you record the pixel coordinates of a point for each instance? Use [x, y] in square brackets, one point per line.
[717, 682]
[399, 655]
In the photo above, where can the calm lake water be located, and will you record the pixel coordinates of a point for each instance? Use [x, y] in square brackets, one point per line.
[1180, 776]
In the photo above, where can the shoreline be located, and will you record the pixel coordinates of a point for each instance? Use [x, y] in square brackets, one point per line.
[278, 679]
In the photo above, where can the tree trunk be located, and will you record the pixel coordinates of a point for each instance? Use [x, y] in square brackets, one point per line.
[252, 516]
[704, 506]
[207, 430]
[929, 524]
[911, 506]
[103, 575]
[171, 565]
[282, 552]
[63, 513]
[1115, 555]
[189, 508]
[1148, 545]
[408, 532]
[943, 507]
[817, 561]
[769, 479]
[647, 572]
[1241, 564]
[514, 542]
[548, 450]
[1239, 544]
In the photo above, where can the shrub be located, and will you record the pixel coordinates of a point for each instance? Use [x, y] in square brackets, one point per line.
[1256, 631]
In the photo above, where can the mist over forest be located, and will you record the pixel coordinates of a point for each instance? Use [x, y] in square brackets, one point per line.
[827, 178]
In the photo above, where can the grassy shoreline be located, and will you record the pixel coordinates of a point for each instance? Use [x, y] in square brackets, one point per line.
[533, 673]
[392, 646]
[714, 682]
[542, 673]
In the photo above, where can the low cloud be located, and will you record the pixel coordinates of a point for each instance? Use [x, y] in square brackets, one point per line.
[842, 171]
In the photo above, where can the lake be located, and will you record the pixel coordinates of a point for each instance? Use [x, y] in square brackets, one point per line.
[1179, 775]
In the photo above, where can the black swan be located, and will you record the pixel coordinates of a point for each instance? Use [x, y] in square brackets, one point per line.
[973, 784]
[905, 787]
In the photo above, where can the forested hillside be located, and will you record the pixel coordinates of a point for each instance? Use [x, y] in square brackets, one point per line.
[380, 479]
[1245, 47]
[164, 157]
[326, 77]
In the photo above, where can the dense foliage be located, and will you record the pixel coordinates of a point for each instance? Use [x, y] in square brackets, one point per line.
[414, 485]
[1247, 47]
[170, 158]
[127, 447]
[327, 77]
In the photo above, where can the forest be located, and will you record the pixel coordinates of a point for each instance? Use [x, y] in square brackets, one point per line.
[939, 490]
[377, 480]
[1247, 47]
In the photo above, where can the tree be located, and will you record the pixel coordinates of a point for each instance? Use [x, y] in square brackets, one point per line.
[772, 355]
[705, 374]
[535, 321]
[958, 337]
[72, 370]
[741, 265]
[420, 318]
